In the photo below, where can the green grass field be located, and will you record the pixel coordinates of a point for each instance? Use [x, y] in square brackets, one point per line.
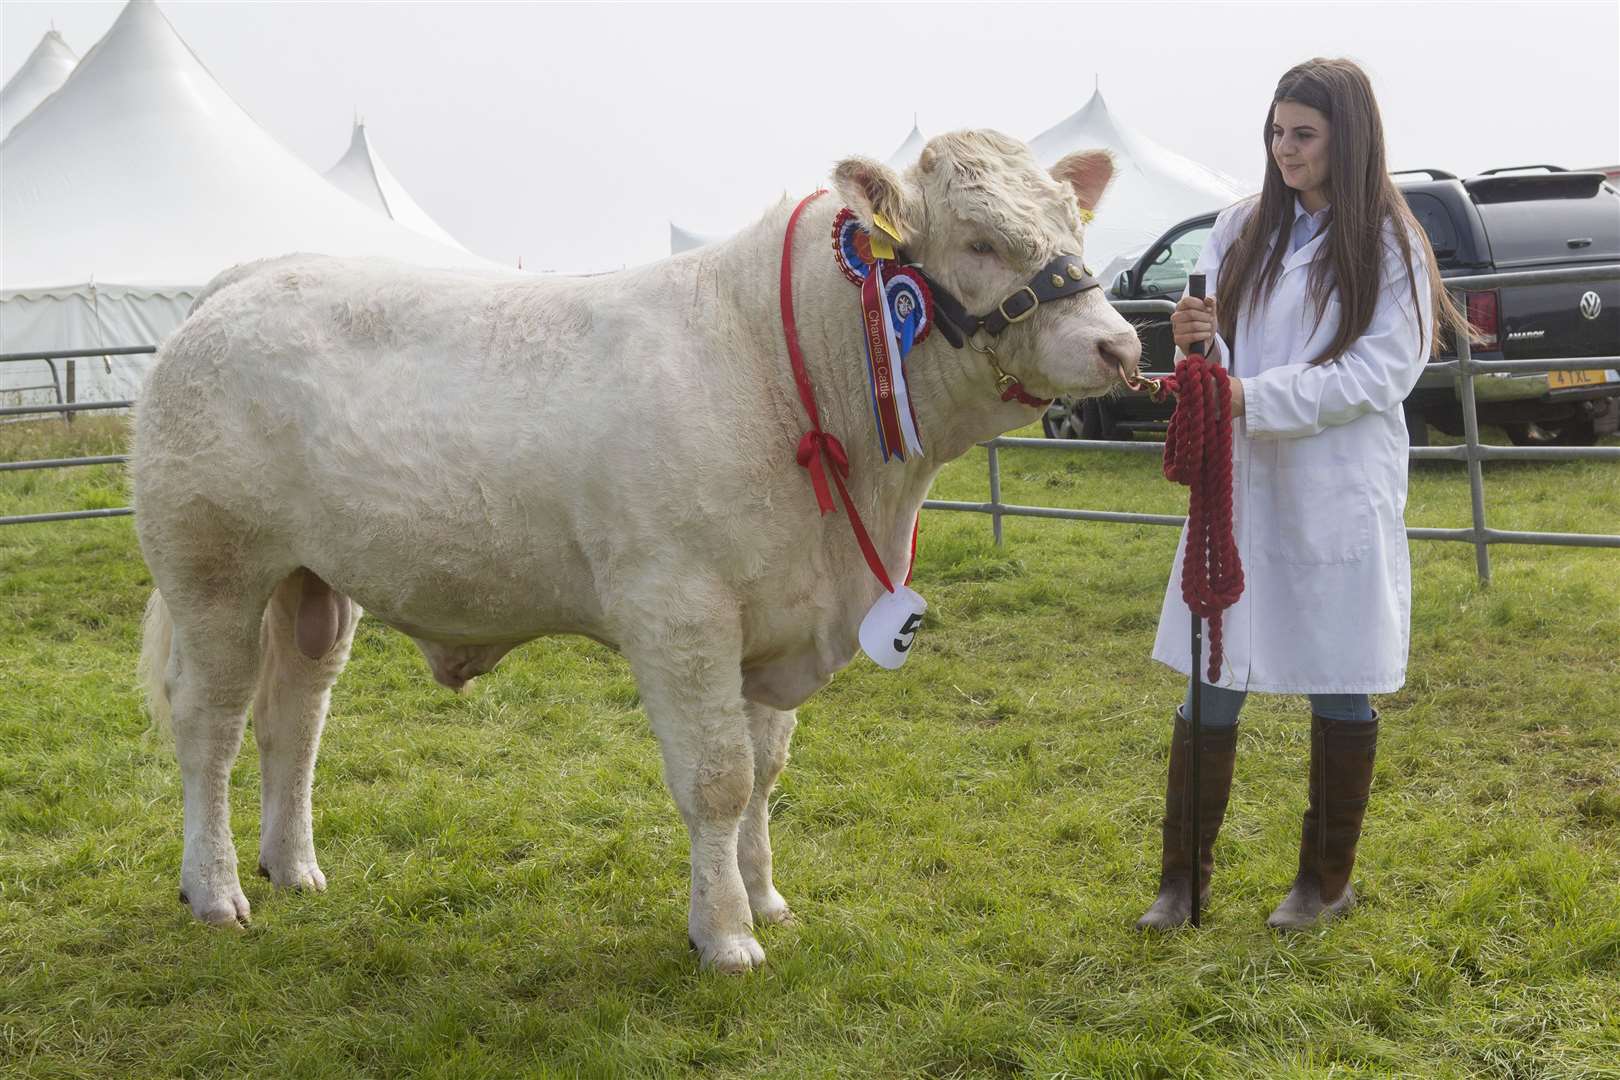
[966, 842]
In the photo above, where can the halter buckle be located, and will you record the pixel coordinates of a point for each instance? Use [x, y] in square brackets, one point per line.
[1034, 302]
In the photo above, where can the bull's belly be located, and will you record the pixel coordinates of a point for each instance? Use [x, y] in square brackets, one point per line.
[471, 600]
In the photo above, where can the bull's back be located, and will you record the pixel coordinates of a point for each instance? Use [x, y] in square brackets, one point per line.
[441, 446]
[314, 362]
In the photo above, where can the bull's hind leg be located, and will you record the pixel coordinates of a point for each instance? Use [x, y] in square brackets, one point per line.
[308, 629]
[211, 672]
[769, 729]
[689, 671]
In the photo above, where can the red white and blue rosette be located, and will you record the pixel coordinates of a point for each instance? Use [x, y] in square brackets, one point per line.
[852, 247]
[910, 296]
[897, 311]
[911, 306]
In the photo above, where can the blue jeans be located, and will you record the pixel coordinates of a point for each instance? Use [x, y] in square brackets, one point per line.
[1221, 706]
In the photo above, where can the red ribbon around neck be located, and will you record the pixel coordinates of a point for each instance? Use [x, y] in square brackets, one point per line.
[818, 449]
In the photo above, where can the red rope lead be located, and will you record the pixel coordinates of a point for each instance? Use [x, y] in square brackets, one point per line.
[1198, 453]
[1016, 390]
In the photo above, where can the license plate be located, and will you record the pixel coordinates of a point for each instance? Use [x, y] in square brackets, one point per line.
[1563, 380]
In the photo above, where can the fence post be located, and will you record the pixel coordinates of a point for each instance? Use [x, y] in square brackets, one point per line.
[72, 394]
[1476, 475]
[995, 494]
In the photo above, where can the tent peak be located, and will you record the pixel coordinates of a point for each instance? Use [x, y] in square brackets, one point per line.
[1152, 187]
[41, 75]
[51, 43]
[910, 148]
[362, 174]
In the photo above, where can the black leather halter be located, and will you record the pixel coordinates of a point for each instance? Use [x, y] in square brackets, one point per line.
[1064, 276]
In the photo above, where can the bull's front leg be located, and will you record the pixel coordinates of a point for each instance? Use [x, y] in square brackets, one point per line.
[769, 729]
[688, 669]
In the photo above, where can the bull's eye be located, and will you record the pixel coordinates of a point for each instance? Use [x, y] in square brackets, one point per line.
[981, 247]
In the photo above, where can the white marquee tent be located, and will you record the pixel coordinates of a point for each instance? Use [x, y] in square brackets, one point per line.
[685, 239]
[362, 174]
[1153, 187]
[909, 150]
[135, 183]
[46, 68]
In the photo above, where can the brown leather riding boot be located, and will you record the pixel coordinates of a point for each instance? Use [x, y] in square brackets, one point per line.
[1341, 777]
[1173, 907]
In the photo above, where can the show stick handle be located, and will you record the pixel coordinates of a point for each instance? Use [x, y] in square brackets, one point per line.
[1195, 289]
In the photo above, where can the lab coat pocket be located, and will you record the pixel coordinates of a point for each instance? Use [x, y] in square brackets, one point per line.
[1322, 515]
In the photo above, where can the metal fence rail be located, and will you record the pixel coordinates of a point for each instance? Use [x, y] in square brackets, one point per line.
[67, 409]
[1472, 452]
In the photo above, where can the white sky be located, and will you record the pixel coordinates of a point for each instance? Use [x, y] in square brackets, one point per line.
[573, 134]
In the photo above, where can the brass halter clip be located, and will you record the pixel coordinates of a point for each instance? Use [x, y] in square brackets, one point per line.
[1003, 380]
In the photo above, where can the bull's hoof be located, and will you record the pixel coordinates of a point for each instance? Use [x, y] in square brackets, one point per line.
[229, 911]
[771, 910]
[732, 956]
[299, 875]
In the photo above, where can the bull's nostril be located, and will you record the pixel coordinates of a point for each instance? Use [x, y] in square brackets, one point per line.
[1123, 353]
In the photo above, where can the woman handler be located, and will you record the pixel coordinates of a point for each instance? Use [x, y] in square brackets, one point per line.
[1326, 313]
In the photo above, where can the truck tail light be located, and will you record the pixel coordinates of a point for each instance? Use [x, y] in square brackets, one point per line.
[1483, 316]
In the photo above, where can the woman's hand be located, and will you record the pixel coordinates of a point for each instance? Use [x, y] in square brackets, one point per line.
[1193, 323]
[1237, 397]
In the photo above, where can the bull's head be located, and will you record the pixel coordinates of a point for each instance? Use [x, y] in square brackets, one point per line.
[985, 221]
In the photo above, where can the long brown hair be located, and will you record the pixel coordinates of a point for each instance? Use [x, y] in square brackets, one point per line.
[1363, 199]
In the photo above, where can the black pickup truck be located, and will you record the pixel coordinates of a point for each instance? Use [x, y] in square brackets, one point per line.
[1536, 217]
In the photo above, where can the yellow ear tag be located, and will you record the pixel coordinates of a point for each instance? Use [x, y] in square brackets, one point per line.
[881, 248]
[883, 223]
[1086, 216]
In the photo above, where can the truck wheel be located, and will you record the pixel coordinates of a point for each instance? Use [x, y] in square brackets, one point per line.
[1579, 431]
[1097, 421]
[1058, 420]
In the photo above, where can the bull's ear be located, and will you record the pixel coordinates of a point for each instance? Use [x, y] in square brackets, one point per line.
[1088, 172]
[869, 187]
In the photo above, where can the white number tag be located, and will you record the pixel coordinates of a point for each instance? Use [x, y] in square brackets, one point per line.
[890, 628]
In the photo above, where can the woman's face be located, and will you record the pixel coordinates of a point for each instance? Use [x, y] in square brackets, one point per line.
[1299, 142]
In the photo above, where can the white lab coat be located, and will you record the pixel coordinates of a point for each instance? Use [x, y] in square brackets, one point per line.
[1318, 487]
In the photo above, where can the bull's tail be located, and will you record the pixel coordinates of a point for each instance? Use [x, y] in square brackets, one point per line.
[157, 641]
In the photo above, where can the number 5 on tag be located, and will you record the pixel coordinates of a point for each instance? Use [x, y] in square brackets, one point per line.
[890, 628]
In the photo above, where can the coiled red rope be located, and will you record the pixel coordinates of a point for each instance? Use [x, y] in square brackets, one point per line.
[1198, 453]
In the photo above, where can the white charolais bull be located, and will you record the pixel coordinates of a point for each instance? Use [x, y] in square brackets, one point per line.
[483, 460]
